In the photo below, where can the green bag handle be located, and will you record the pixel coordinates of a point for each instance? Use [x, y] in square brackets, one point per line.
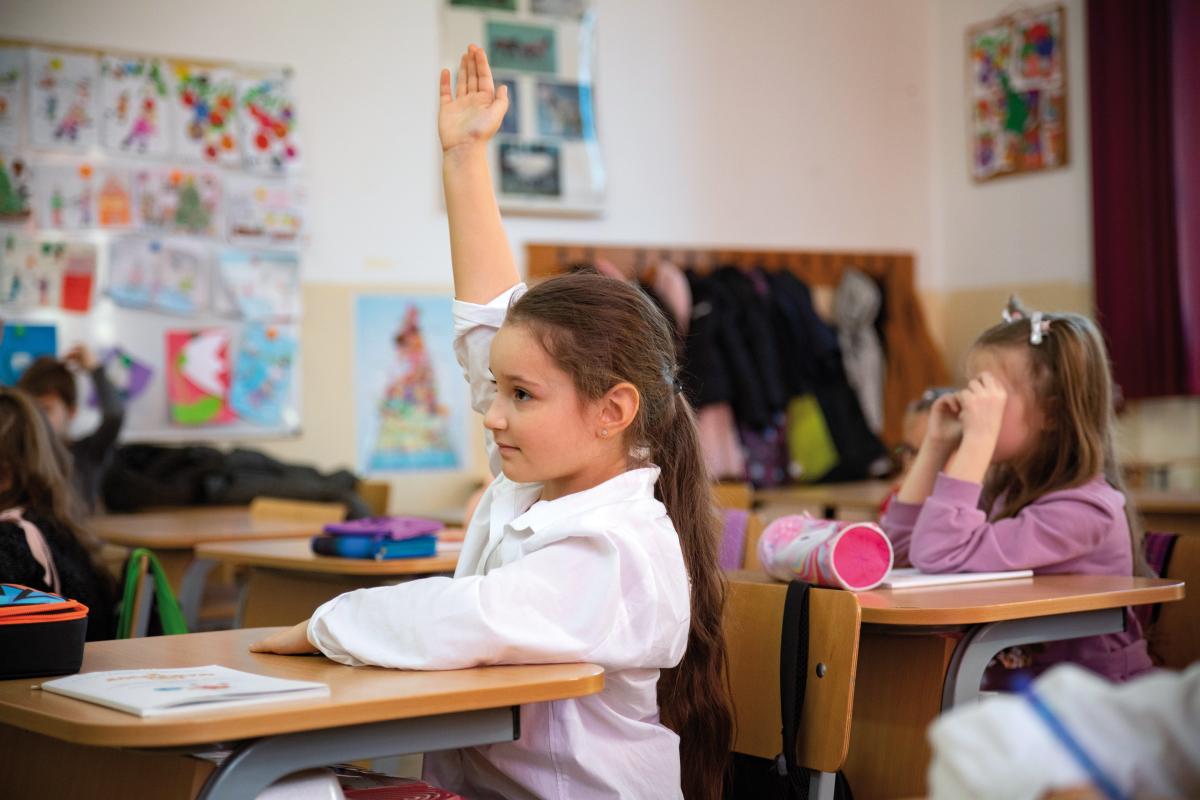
[169, 613]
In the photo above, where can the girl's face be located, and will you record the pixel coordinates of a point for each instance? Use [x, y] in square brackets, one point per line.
[545, 430]
[1023, 421]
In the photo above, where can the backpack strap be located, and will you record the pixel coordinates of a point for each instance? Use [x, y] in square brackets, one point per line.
[793, 682]
[38, 546]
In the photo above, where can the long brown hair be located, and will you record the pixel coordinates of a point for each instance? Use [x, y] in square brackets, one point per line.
[1072, 384]
[39, 471]
[603, 332]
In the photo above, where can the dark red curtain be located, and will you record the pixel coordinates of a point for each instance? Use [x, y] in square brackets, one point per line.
[1141, 185]
[1185, 100]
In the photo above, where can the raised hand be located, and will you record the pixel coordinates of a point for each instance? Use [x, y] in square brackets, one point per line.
[473, 113]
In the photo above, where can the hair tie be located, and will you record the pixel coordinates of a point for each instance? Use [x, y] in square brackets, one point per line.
[1039, 326]
[678, 387]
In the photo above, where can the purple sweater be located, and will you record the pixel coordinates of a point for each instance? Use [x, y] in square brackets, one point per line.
[1079, 531]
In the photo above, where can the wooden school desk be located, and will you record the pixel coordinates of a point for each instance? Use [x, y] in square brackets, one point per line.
[925, 650]
[287, 581]
[1168, 511]
[174, 533]
[59, 747]
[858, 500]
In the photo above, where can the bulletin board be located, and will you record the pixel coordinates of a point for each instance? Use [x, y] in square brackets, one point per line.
[546, 157]
[153, 208]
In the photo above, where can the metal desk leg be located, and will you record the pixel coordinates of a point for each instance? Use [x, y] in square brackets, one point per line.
[191, 589]
[981, 642]
[256, 764]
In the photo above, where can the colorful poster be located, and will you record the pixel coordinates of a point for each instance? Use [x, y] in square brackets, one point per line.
[260, 285]
[411, 403]
[47, 274]
[127, 374]
[62, 99]
[528, 48]
[163, 276]
[198, 377]
[114, 197]
[14, 76]
[20, 344]
[16, 188]
[135, 100]
[204, 114]
[262, 375]
[65, 195]
[530, 168]
[267, 120]
[263, 211]
[178, 200]
[78, 277]
[1018, 93]
[561, 110]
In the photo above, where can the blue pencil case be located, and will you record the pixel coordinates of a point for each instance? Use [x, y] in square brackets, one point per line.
[367, 546]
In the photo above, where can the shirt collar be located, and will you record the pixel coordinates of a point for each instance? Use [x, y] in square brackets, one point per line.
[635, 484]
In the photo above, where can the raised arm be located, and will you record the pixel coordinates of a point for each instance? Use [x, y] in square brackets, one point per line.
[468, 118]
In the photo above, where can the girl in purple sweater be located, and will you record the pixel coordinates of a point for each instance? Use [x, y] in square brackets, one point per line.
[1033, 483]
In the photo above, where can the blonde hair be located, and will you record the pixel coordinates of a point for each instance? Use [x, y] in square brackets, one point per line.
[1072, 383]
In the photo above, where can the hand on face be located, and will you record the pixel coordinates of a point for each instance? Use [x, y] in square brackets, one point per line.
[945, 426]
[981, 406]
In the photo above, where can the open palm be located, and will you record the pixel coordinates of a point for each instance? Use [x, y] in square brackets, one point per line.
[473, 113]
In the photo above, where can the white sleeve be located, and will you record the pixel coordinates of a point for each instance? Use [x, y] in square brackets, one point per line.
[474, 328]
[1145, 734]
[565, 602]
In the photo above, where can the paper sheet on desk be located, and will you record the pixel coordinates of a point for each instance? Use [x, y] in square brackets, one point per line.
[913, 578]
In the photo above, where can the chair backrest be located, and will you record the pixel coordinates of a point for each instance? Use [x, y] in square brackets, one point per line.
[753, 627]
[1175, 636]
[376, 495]
[733, 495]
[302, 510]
[754, 532]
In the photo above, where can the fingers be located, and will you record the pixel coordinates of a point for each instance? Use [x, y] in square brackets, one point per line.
[472, 71]
[261, 646]
[460, 88]
[486, 84]
[444, 87]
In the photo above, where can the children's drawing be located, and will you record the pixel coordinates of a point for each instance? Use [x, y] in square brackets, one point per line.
[512, 118]
[263, 211]
[564, 110]
[78, 277]
[267, 119]
[114, 197]
[179, 200]
[62, 99]
[16, 187]
[260, 285]
[127, 374]
[262, 375]
[411, 408]
[204, 114]
[198, 377]
[20, 344]
[152, 274]
[135, 101]
[530, 168]
[1018, 93]
[14, 76]
[528, 48]
[65, 195]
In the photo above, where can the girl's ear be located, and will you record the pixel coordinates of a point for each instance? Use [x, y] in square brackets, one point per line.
[619, 408]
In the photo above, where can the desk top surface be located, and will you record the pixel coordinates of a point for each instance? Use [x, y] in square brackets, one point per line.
[358, 694]
[1155, 501]
[297, 555]
[993, 601]
[860, 494]
[184, 528]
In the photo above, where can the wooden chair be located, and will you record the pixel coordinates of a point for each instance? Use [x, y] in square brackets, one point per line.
[1175, 636]
[753, 626]
[754, 531]
[376, 494]
[733, 495]
[303, 510]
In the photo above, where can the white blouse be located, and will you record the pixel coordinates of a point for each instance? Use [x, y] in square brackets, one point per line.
[594, 576]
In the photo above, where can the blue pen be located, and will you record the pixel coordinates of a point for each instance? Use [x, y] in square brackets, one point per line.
[1104, 783]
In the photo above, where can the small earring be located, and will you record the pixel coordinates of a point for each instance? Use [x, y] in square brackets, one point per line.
[604, 432]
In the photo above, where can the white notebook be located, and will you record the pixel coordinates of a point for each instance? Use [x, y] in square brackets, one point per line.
[159, 692]
[911, 577]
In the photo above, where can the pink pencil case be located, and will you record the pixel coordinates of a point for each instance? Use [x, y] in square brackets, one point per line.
[393, 528]
[843, 555]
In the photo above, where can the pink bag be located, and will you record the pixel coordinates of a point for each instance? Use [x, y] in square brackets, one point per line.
[843, 555]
